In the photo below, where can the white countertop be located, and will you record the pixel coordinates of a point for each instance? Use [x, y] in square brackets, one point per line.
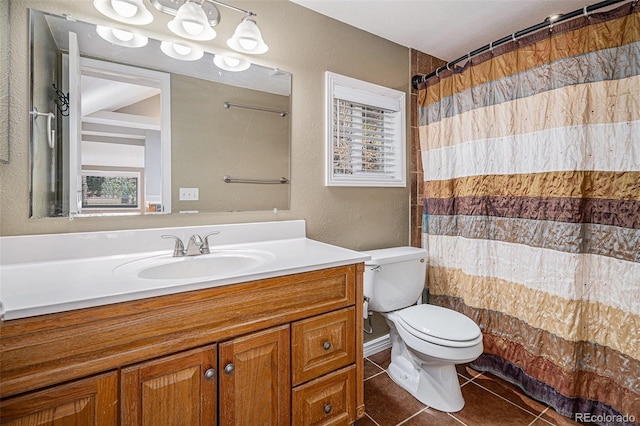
[57, 283]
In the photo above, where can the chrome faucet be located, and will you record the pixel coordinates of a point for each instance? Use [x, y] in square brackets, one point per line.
[195, 246]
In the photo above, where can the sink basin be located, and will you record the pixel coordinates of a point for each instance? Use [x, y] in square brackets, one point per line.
[216, 264]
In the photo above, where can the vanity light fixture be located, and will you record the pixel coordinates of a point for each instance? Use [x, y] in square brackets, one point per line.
[230, 63]
[121, 37]
[195, 19]
[247, 38]
[181, 52]
[127, 11]
[191, 22]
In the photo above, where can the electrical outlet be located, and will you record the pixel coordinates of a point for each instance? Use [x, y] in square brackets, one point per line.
[189, 194]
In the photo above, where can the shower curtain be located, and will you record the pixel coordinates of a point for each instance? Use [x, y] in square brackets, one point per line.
[531, 161]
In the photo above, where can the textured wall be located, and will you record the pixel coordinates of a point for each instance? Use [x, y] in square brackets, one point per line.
[302, 42]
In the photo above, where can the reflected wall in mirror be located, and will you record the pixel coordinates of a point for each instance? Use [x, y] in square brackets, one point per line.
[118, 130]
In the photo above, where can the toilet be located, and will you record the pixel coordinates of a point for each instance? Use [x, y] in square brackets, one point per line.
[427, 341]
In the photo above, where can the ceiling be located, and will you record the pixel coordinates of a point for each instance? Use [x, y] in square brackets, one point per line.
[446, 29]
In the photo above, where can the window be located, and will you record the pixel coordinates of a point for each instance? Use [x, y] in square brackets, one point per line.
[365, 134]
[110, 190]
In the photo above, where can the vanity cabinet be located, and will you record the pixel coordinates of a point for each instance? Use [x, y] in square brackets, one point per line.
[279, 351]
[91, 401]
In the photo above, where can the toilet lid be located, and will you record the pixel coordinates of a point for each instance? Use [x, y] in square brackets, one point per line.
[439, 322]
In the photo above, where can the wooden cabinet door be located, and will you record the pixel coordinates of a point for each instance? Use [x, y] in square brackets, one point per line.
[255, 382]
[92, 401]
[174, 390]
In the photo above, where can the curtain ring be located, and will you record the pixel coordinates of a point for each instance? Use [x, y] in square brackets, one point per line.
[448, 66]
[437, 71]
[585, 12]
[513, 37]
[491, 47]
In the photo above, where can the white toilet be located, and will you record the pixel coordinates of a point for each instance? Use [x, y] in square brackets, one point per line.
[426, 340]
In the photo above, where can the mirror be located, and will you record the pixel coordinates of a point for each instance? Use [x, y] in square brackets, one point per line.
[120, 130]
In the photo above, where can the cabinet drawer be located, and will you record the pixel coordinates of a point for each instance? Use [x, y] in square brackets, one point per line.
[322, 344]
[328, 400]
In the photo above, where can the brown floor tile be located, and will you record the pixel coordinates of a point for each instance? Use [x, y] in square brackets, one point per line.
[552, 417]
[365, 421]
[370, 369]
[383, 358]
[432, 417]
[387, 403]
[509, 392]
[465, 371]
[484, 408]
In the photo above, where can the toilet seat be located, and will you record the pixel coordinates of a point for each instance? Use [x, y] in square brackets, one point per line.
[440, 326]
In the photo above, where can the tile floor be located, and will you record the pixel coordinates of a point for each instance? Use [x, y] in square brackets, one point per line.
[489, 401]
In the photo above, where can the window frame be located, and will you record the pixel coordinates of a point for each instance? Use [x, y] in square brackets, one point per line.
[371, 95]
[116, 173]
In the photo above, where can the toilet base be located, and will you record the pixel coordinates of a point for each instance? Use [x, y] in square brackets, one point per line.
[431, 392]
[432, 382]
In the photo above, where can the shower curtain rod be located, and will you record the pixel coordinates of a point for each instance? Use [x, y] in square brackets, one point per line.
[418, 78]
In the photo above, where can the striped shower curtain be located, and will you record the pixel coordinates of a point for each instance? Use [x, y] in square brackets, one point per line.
[531, 161]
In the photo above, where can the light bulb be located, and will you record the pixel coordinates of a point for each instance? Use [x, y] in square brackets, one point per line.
[124, 8]
[192, 27]
[232, 62]
[122, 35]
[248, 44]
[182, 50]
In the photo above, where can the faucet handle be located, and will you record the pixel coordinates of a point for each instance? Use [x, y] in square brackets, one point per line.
[178, 250]
[205, 244]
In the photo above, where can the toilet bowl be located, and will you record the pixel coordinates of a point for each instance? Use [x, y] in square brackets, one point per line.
[427, 341]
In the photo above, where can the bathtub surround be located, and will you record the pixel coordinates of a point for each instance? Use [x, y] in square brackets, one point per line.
[531, 161]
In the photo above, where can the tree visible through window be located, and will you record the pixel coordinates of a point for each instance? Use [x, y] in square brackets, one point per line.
[109, 192]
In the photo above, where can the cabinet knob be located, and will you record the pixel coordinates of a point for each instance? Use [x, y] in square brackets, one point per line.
[210, 374]
[326, 346]
[327, 408]
[228, 369]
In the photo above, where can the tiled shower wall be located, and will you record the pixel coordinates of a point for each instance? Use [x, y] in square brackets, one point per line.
[420, 63]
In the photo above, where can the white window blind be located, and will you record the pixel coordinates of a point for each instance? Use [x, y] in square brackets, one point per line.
[365, 134]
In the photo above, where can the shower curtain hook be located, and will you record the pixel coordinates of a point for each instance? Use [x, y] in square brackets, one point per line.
[513, 37]
[491, 47]
[585, 12]
[448, 66]
[437, 71]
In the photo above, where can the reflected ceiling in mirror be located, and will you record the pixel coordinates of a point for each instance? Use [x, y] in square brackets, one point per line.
[203, 139]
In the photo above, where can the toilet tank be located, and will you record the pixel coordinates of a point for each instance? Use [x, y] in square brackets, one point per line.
[394, 278]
